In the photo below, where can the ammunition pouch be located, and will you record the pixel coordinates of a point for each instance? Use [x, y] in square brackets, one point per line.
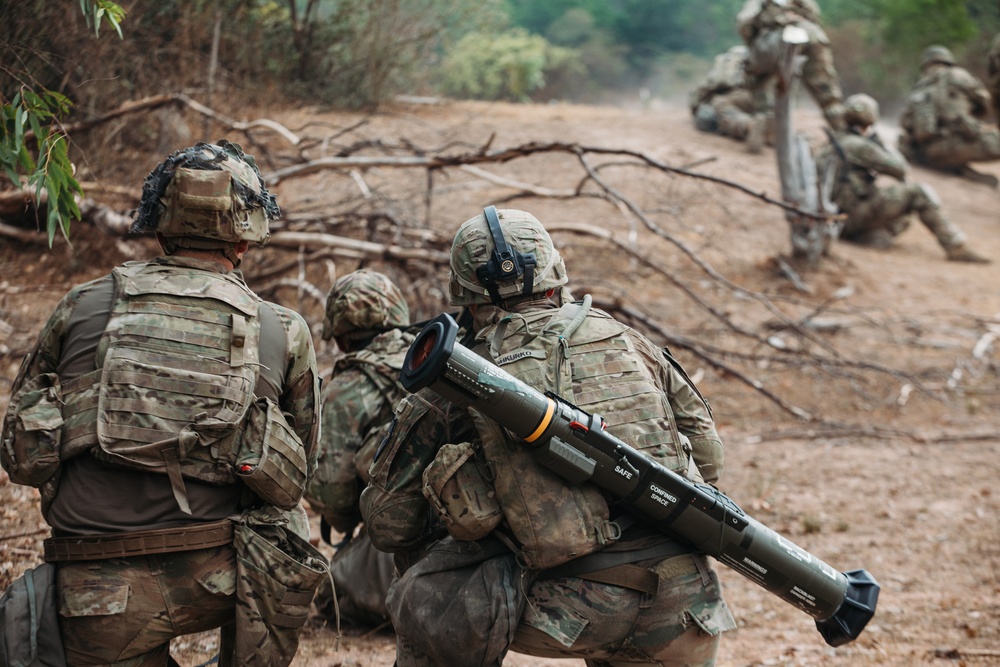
[31, 448]
[271, 459]
[454, 486]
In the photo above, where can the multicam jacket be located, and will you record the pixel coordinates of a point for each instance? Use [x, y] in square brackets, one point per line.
[857, 160]
[946, 100]
[358, 401]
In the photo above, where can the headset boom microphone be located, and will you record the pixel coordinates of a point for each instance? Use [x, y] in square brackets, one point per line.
[575, 444]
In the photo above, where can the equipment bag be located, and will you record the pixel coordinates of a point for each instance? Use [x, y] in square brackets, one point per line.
[278, 574]
[460, 604]
[29, 621]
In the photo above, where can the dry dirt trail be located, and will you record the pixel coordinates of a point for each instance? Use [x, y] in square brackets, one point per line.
[920, 510]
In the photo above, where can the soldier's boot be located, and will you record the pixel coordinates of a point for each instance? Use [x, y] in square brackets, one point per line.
[971, 174]
[962, 253]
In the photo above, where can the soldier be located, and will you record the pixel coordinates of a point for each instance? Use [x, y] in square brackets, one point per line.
[365, 315]
[168, 416]
[761, 24]
[942, 121]
[993, 75]
[724, 105]
[852, 161]
[596, 584]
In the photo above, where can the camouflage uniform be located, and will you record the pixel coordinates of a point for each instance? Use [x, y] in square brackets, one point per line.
[724, 105]
[364, 311]
[854, 159]
[761, 23]
[124, 611]
[993, 74]
[568, 613]
[942, 122]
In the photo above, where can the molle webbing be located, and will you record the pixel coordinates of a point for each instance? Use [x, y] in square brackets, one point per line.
[139, 543]
[179, 373]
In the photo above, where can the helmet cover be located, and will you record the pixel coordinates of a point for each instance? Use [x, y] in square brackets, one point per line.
[474, 247]
[210, 192]
[936, 54]
[364, 302]
[860, 110]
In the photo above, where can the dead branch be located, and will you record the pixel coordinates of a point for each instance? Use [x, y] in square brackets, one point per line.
[505, 155]
[22, 235]
[757, 385]
[357, 249]
[134, 106]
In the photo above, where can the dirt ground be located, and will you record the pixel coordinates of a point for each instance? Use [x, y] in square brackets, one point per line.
[892, 358]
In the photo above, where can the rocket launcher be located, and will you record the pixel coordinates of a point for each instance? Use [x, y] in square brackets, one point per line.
[577, 446]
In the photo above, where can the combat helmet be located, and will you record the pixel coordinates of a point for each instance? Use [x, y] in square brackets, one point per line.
[936, 54]
[502, 255]
[362, 304]
[860, 110]
[208, 196]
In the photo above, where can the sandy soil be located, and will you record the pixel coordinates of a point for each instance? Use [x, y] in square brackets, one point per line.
[896, 470]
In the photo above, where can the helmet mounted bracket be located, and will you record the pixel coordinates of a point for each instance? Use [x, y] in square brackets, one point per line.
[505, 264]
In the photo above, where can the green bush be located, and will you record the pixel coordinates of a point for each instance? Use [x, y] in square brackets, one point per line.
[507, 66]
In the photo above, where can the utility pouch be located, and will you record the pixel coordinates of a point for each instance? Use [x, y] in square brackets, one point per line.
[271, 460]
[278, 574]
[31, 447]
[456, 489]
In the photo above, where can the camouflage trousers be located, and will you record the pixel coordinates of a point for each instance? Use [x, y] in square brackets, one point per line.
[889, 208]
[729, 114]
[611, 626]
[818, 73]
[607, 625]
[954, 150]
[124, 612]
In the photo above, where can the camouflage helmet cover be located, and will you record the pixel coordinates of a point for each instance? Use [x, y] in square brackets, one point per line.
[474, 246]
[860, 110]
[210, 192]
[364, 302]
[936, 54]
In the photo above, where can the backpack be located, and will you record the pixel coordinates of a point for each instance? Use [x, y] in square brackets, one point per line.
[29, 621]
[924, 106]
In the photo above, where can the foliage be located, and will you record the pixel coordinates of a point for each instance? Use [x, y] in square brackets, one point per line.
[32, 140]
[383, 47]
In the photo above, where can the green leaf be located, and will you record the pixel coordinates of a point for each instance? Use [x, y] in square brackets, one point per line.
[19, 119]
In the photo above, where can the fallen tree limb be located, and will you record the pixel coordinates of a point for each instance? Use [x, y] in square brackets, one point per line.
[357, 249]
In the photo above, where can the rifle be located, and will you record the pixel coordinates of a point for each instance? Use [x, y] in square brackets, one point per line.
[577, 446]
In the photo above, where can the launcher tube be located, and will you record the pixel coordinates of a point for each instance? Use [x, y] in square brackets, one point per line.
[576, 445]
